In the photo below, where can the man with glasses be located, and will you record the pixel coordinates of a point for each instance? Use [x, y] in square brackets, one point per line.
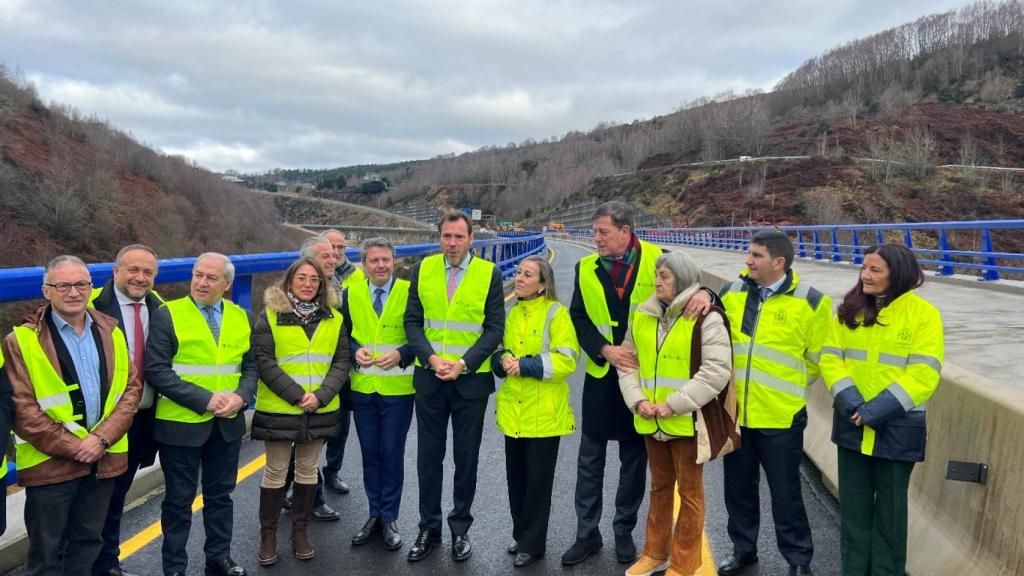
[199, 360]
[75, 393]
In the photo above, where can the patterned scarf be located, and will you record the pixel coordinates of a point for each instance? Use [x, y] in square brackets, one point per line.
[304, 310]
[621, 269]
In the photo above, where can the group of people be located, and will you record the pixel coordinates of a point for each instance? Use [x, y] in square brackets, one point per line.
[105, 379]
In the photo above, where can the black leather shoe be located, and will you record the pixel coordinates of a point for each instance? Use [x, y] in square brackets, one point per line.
[513, 548]
[625, 549]
[800, 571]
[324, 513]
[392, 539]
[224, 567]
[461, 548]
[335, 483]
[736, 564]
[116, 571]
[368, 533]
[523, 559]
[424, 545]
[580, 551]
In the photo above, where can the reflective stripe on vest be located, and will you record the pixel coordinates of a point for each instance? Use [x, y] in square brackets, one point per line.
[664, 369]
[594, 298]
[213, 366]
[380, 335]
[453, 327]
[306, 361]
[54, 397]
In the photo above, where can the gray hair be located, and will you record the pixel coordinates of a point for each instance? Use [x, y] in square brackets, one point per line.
[620, 213]
[333, 231]
[547, 275]
[229, 266]
[306, 250]
[682, 266]
[61, 260]
[130, 247]
[377, 242]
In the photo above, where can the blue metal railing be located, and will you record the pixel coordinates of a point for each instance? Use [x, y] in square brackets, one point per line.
[505, 251]
[945, 246]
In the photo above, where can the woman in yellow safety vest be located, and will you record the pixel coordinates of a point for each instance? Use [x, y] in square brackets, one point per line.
[538, 354]
[882, 362]
[302, 351]
[666, 394]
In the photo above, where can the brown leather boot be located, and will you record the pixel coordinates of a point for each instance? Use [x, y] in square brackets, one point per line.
[270, 511]
[302, 507]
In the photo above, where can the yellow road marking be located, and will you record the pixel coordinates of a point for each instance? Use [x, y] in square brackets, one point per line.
[153, 531]
[707, 565]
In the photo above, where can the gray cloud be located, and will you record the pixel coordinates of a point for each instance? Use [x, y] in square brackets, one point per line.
[257, 85]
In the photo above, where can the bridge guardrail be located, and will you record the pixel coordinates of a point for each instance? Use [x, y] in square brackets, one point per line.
[505, 251]
[945, 246]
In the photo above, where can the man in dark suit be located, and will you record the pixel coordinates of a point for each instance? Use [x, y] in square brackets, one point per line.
[129, 298]
[199, 360]
[455, 319]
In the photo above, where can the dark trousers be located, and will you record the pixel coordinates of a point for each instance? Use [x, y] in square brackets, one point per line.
[63, 522]
[873, 514]
[382, 424]
[530, 467]
[218, 460]
[778, 452]
[467, 416]
[590, 486]
[140, 450]
[336, 446]
[335, 457]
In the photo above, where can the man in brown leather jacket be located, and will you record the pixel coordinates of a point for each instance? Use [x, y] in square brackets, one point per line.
[75, 394]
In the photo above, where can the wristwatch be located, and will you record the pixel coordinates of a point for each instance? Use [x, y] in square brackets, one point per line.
[464, 367]
[103, 441]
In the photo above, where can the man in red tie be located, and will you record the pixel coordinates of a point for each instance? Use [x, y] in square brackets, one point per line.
[129, 297]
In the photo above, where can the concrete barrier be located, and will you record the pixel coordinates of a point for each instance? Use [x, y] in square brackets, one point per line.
[955, 528]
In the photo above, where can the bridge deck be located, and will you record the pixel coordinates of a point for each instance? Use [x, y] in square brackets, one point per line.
[984, 323]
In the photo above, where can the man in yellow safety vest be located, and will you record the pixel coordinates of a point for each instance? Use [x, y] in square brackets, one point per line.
[75, 393]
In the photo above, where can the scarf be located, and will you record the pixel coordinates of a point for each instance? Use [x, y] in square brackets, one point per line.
[621, 269]
[304, 310]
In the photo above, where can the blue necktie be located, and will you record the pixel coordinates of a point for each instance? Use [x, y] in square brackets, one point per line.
[211, 321]
[765, 293]
[378, 302]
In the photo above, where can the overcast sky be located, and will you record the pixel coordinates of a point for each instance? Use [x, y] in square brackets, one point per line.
[257, 85]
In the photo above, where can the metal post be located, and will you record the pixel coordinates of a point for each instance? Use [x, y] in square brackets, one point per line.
[858, 258]
[991, 273]
[836, 256]
[817, 245]
[241, 291]
[946, 269]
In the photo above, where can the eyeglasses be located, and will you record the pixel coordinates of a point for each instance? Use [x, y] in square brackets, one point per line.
[65, 287]
[314, 280]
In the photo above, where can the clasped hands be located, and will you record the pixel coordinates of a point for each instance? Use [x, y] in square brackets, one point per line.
[445, 369]
[510, 364]
[620, 357]
[225, 404]
[647, 410]
[385, 361]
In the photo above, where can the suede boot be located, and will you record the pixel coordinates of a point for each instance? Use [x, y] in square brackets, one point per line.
[270, 510]
[302, 507]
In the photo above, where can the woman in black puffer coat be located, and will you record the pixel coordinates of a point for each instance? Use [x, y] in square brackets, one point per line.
[302, 351]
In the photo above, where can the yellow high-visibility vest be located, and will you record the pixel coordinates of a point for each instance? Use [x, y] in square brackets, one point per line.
[380, 335]
[306, 360]
[213, 366]
[54, 398]
[453, 327]
[663, 370]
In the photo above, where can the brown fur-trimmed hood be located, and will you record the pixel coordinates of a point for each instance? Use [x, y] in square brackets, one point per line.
[275, 299]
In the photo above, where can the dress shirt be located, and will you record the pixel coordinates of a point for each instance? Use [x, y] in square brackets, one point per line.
[464, 265]
[86, 358]
[773, 288]
[128, 326]
[384, 295]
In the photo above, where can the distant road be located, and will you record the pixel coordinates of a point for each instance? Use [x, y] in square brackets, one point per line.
[793, 158]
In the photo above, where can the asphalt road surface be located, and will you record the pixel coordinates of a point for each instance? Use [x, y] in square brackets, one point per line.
[492, 529]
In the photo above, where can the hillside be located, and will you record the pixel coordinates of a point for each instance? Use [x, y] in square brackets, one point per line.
[943, 89]
[76, 185]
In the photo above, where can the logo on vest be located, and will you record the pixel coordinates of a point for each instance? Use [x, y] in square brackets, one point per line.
[905, 335]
